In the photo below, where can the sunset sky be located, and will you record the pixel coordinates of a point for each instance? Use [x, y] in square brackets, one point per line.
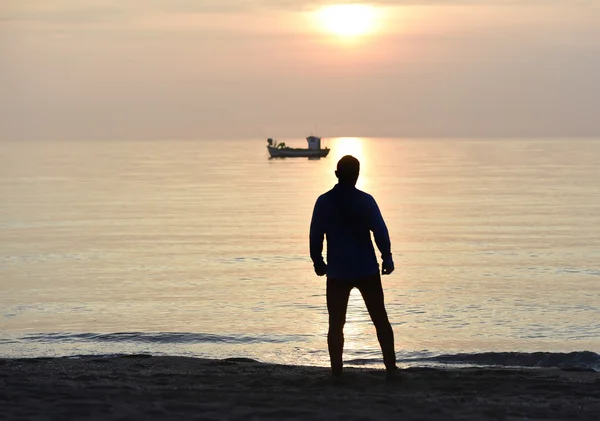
[182, 69]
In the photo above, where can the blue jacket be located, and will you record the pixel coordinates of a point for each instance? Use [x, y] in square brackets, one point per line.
[346, 216]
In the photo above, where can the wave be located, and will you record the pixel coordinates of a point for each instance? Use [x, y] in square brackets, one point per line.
[563, 360]
[156, 338]
[582, 360]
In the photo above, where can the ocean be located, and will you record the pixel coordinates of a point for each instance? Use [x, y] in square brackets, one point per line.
[200, 248]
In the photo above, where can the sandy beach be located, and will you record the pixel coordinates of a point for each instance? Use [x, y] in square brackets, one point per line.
[145, 387]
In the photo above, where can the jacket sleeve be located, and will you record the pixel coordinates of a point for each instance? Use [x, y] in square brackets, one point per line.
[380, 232]
[317, 232]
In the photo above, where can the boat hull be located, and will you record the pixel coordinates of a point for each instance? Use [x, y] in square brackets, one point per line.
[297, 152]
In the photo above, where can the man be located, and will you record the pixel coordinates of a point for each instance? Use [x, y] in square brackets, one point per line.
[346, 216]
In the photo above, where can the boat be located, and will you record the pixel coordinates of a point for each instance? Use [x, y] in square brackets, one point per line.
[280, 150]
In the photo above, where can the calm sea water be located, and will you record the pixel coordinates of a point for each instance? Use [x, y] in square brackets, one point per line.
[201, 248]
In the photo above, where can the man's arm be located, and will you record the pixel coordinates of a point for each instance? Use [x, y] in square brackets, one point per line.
[317, 234]
[382, 238]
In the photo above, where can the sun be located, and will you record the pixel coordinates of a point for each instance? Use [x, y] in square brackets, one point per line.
[348, 20]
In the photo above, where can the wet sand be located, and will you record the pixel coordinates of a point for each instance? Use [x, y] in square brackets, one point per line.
[143, 387]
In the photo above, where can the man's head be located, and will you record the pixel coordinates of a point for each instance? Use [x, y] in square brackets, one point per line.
[347, 170]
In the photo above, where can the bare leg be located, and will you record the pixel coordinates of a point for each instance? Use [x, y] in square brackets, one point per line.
[338, 294]
[372, 293]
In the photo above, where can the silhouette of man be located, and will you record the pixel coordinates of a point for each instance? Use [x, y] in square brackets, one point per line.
[346, 216]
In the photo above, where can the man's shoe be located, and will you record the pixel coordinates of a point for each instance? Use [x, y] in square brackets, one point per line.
[337, 371]
[392, 374]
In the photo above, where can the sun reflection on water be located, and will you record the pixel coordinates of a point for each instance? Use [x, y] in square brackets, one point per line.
[359, 331]
[355, 146]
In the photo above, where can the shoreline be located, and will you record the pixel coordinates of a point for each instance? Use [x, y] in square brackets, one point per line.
[148, 387]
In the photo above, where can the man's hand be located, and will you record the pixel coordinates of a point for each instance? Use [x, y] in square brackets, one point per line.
[387, 267]
[321, 268]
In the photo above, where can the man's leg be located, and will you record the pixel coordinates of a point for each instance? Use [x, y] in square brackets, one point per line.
[337, 302]
[372, 293]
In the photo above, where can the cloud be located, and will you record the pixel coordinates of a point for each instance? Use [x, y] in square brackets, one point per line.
[64, 16]
[296, 5]
[77, 11]
[528, 80]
